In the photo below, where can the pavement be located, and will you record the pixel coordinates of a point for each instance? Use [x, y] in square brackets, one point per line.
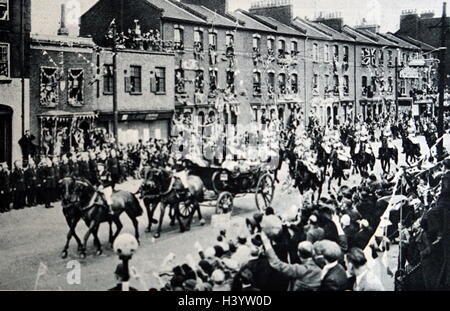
[34, 237]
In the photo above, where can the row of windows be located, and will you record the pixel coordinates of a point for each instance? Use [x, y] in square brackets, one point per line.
[329, 55]
[133, 83]
[4, 60]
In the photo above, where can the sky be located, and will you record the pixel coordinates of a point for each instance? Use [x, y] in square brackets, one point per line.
[386, 13]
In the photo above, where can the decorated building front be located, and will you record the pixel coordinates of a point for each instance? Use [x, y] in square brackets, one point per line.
[62, 87]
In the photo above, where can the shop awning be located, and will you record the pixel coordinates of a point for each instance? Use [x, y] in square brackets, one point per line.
[66, 115]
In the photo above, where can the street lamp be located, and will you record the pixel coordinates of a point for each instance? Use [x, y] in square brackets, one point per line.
[125, 246]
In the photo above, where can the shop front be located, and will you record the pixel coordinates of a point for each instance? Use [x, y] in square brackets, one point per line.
[61, 131]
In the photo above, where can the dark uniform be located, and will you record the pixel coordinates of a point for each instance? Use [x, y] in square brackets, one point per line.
[31, 186]
[113, 168]
[64, 170]
[54, 182]
[93, 171]
[5, 191]
[83, 170]
[74, 168]
[46, 179]
[18, 188]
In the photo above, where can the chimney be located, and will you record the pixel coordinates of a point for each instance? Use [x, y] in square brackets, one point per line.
[281, 10]
[63, 30]
[219, 6]
[409, 23]
[427, 14]
[368, 27]
[333, 20]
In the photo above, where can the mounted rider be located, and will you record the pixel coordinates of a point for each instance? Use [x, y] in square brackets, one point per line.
[105, 186]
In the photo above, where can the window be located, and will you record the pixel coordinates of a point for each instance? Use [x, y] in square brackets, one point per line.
[135, 79]
[199, 81]
[229, 42]
[294, 83]
[108, 79]
[381, 57]
[4, 10]
[316, 82]
[179, 81]
[336, 84]
[213, 80]
[213, 41]
[327, 83]
[4, 60]
[346, 85]
[271, 47]
[256, 44]
[326, 53]
[364, 85]
[198, 41]
[315, 52]
[336, 53]
[346, 55]
[160, 79]
[390, 58]
[49, 96]
[271, 82]
[373, 84]
[282, 83]
[230, 81]
[294, 48]
[75, 87]
[402, 87]
[178, 39]
[281, 48]
[257, 83]
[390, 85]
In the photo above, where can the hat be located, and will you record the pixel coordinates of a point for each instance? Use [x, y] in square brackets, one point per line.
[363, 223]
[218, 276]
[329, 249]
[271, 225]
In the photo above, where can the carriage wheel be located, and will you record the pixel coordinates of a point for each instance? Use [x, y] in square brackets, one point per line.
[219, 182]
[224, 203]
[186, 209]
[264, 192]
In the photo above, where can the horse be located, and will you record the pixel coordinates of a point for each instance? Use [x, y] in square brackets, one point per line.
[386, 154]
[338, 169]
[411, 150]
[162, 188]
[73, 215]
[92, 207]
[363, 161]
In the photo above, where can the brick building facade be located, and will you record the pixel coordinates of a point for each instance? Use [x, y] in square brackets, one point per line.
[15, 27]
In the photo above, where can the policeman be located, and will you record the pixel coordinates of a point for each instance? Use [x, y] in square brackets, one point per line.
[45, 177]
[18, 186]
[5, 191]
[113, 168]
[31, 183]
[105, 186]
[54, 168]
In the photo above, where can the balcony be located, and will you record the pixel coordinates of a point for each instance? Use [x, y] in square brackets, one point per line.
[256, 89]
[336, 90]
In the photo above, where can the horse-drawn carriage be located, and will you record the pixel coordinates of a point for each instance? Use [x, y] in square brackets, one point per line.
[224, 184]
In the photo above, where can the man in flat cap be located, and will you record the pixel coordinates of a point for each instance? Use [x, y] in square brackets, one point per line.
[333, 277]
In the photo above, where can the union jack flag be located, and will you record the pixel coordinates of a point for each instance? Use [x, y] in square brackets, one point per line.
[368, 57]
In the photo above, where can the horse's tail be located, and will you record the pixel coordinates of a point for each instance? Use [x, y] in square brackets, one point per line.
[137, 208]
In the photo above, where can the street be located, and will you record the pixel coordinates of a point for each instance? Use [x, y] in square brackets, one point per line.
[34, 235]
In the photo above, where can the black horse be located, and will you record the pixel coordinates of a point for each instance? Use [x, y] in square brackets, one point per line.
[82, 201]
[338, 166]
[386, 154]
[411, 150]
[161, 187]
[363, 161]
